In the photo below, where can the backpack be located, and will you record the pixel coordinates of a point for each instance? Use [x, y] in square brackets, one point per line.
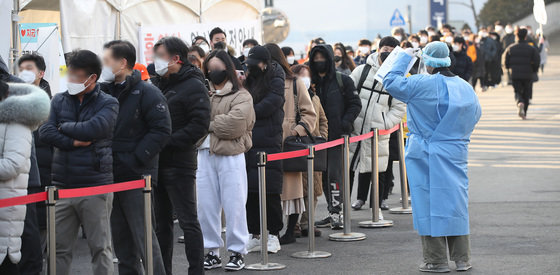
[363, 77]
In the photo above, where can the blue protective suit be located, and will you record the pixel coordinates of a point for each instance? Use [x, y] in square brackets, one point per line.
[442, 113]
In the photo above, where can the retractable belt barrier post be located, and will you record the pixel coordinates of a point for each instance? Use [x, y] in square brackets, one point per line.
[347, 235]
[405, 208]
[375, 222]
[311, 253]
[51, 229]
[149, 264]
[264, 264]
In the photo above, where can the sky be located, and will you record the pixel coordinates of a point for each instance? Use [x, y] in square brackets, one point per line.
[348, 21]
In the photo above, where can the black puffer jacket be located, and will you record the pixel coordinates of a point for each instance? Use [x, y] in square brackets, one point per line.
[463, 65]
[189, 107]
[92, 120]
[342, 105]
[523, 60]
[267, 134]
[143, 127]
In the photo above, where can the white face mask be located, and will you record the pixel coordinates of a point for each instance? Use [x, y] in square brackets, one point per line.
[483, 34]
[449, 39]
[27, 76]
[246, 51]
[415, 44]
[291, 59]
[307, 81]
[204, 47]
[431, 33]
[456, 48]
[107, 74]
[509, 29]
[498, 28]
[424, 40]
[363, 50]
[161, 66]
[398, 37]
[76, 88]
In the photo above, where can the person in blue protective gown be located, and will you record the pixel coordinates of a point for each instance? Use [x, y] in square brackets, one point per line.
[443, 110]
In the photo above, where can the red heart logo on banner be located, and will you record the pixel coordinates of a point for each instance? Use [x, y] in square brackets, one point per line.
[22, 33]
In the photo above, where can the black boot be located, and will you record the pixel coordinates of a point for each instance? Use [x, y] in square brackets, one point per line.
[289, 235]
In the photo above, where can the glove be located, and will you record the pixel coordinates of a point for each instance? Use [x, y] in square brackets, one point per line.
[413, 52]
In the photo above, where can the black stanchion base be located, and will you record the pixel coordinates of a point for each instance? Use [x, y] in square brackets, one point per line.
[350, 237]
[311, 255]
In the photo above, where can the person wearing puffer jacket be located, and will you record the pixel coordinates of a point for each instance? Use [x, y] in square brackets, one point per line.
[23, 108]
[379, 110]
[221, 174]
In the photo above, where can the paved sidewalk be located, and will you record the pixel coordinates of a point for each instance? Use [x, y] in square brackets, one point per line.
[514, 202]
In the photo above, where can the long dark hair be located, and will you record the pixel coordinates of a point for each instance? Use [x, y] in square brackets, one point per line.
[259, 85]
[347, 62]
[278, 56]
[231, 74]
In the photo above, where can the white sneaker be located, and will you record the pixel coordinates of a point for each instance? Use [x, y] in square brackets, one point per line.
[254, 245]
[273, 244]
[380, 215]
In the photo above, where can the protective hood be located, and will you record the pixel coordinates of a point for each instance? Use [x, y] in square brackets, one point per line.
[327, 51]
[26, 104]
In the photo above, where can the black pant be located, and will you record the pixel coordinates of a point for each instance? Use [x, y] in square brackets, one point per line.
[31, 253]
[332, 180]
[364, 181]
[523, 90]
[127, 227]
[7, 267]
[273, 213]
[176, 191]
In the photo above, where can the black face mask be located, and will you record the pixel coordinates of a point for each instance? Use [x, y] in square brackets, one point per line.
[217, 77]
[337, 58]
[320, 66]
[254, 70]
[383, 56]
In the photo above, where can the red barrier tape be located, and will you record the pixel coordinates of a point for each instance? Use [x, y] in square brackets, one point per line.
[288, 155]
[37, 197]
[329, 144]
[361, 137]
[98, 190]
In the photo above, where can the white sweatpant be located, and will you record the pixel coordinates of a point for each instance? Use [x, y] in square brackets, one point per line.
[222, 183]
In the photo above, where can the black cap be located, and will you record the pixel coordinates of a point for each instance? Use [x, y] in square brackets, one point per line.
[256, 55]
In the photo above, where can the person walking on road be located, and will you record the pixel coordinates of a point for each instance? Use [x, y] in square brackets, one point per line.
[442, 111]
[523, 60]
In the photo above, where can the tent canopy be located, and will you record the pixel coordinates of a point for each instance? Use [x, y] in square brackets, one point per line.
[90, 23]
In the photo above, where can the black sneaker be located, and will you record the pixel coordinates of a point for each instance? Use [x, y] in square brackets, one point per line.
[326, 222]
[212, 261]
[236, 262]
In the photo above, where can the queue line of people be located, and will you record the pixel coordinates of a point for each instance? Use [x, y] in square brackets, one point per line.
[196, 124]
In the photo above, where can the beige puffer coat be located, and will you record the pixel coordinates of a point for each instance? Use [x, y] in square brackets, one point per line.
[231, 121]
[375, 113]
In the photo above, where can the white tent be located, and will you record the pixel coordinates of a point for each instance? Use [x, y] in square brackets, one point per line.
[90, 23]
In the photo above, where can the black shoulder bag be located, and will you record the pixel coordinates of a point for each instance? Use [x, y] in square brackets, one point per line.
[294, 143]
